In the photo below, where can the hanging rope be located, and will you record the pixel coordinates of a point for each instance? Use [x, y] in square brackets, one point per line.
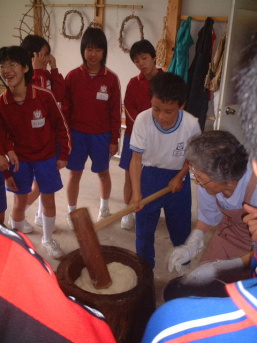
[161, 47]
[141, 29]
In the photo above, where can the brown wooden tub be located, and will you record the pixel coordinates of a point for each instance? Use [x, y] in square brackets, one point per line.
[127, 313]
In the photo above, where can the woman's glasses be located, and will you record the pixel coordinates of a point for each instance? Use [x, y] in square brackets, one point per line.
[192, 170]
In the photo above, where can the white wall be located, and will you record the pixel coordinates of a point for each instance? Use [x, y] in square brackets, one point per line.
[67, 52]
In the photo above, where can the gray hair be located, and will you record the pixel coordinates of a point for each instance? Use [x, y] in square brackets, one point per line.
[219, 155]
[246, 85]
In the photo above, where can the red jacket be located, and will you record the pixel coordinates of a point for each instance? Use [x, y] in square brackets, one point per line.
[137, 99]
[93, 105]
[32, 306]
[51, 80]
[34, 126]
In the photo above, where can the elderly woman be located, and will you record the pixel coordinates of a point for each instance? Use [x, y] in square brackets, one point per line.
[233, 318]
[225, 181]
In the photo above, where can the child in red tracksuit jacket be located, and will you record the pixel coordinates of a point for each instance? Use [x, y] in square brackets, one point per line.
[42, 58]
[93, 106]
[32, 122]
[40, 52]
[33, 308]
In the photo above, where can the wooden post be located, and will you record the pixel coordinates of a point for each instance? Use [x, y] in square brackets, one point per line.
[99, 12]
[173, 22]
[38, 17]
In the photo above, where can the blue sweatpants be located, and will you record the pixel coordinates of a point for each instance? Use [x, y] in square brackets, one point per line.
[176, 206]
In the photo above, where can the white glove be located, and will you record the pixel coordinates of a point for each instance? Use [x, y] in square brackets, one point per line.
[185, 253]
[209, 271]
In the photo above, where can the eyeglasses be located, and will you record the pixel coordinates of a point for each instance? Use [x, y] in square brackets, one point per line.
[191, 168]
[10, 66]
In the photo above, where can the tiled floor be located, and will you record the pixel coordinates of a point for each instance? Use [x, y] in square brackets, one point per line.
[112, 235]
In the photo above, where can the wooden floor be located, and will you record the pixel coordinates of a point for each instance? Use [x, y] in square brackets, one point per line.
[112, 235]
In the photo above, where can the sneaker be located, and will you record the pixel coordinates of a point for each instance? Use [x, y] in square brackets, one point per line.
[70, 222]
[38, 220]
[27, 227]
[103, 213]
[53, 249]
[127, 222]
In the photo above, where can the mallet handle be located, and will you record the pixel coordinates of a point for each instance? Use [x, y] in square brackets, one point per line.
[117, 215]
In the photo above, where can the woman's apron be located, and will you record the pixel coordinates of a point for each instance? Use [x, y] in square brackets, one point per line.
[232, 237]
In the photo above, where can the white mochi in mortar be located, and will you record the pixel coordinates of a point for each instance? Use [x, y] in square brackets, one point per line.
[123, 279]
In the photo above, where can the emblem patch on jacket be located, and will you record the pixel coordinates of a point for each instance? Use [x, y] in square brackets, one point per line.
[102, 94]
[38, 120]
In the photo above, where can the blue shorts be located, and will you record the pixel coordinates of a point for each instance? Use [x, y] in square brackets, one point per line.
[46, 173]
[126, 154]
[85, 145]
[3, 201]
[57, 154]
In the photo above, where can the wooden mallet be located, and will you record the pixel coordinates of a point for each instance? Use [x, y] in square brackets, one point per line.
[90, 247]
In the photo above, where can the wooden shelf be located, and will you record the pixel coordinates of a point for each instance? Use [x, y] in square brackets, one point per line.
[203, 18]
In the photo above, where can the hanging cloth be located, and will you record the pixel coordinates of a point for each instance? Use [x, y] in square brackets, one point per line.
[197, 100]
[213, 77]
[180, 61]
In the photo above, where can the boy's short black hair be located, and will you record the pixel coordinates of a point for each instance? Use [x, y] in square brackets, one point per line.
[34, 43]
[94, 37]
[17, 54]
[142, 47]
[169, 87]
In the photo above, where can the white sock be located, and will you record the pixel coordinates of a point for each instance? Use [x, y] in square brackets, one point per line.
[40, 207]
[72, 208]
[48, 228]
[17, 225]
[104, 203]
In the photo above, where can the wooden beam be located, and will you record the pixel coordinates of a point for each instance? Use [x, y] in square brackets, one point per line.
[173, 22]
[37, 9]
[99, 12]
[90, 5]
[203, 18]
[99, 6]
